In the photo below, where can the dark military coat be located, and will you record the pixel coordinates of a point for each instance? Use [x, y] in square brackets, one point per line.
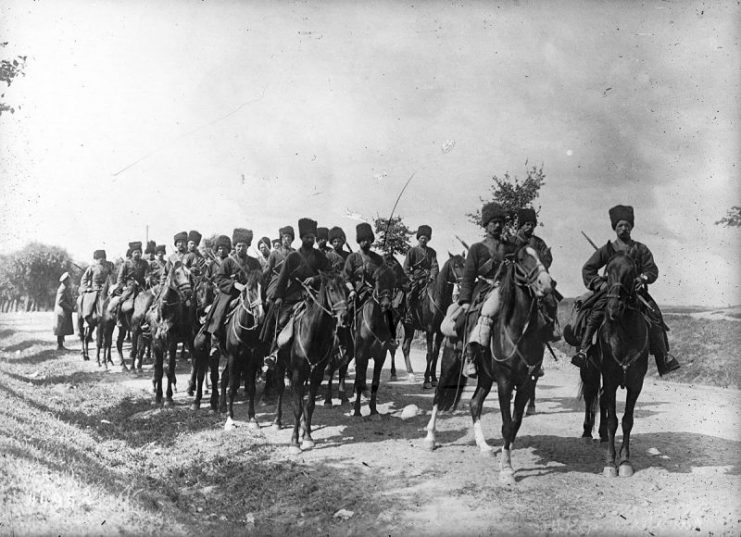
[230, 270]
[537, 244]
[483, 259]
[299, 265]
[337, 259]
[639, 252]
[95, 277]
[133, 271]
[64, 305]
[272, 272]
[359, 268]
[421, 264]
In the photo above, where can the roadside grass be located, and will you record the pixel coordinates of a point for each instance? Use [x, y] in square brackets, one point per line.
[77, 460]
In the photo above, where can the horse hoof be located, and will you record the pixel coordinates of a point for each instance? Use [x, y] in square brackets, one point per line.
[434, 383]
[375, 416]
[253, 426]
[609, 471]
[191, 392]
[307, 445]
[586, 439]
[212, 411]
[625, 470]
[294, 450]
[169, 403]
[328, 404]
[429, 445]
[229, 425]
[393, 377]
[195, 406]
[411, 377]
[486, 451]
[507, 477]
[530, 411]
[427, 385]
[276, 427]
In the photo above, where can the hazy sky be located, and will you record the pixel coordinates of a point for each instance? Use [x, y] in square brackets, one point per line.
[215, 115]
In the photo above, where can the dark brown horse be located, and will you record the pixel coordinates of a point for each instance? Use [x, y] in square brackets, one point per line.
[428, 314]
[623, 346]
[513, 359]
[171, 320]
[89, 322]
[202, 358]
[310, 349]
[372, 335]
[243, 346]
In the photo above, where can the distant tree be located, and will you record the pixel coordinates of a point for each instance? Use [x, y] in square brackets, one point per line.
[732, 217]
[513, 194]
[9, 71]
[392, 237]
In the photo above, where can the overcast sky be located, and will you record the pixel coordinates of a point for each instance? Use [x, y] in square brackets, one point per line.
[214, 115]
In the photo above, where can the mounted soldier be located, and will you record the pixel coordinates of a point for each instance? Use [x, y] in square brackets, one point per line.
[337, 255]
[230, 277]
[131, 279]
[622, 220]
[195, 260]
[480, 282]
[93, 281]
[421, 268]
[180, 240]
[276, 259]
[299, 271]
[322, 237]
[156, 266]
[527, 220]
[263, 246]
[149, 251]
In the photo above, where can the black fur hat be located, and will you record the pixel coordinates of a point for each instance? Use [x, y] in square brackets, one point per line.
[288, 230]
[222, 241]
[322, 233]
[364, 231]
[241, 234]
[336, 233]
[306, 226]
[621, 212]
[424, 230]
[160, 248]
[182, 236]
[136, 245]
[195, 237]
[526, 215]
[492, 211]
[99, 254]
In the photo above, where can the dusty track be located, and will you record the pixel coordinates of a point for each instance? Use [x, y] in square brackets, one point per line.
[686, 452]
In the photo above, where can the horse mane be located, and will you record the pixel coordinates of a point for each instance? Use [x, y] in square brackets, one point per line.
[508, 288]
[254, 277]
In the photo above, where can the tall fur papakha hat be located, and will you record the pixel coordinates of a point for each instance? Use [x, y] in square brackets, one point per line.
[526, 215]
[621, 212]
[492, 211]
[322, 233]
[182, 236]
[136, 245]
[241, 234]
[288, 230]
[99, 254]
[222, 241]
[194, 236]
[336, 233]
[364, 232]
[151, 245]
[160, 248]
[265, 241]
[306, 226]
[424, 230]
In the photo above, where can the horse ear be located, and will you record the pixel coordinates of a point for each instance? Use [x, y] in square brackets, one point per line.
[451, 256]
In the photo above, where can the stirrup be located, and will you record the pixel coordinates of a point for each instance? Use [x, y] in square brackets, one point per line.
[269, 362]
[669, 364]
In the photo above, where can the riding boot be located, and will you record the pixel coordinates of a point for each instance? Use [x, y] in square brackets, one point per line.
[665, 363]
[477, 340]
[271, 359]
[60, 343]
[469, 367]
[580, 358]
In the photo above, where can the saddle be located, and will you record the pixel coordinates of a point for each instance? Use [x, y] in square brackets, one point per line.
[286, 335]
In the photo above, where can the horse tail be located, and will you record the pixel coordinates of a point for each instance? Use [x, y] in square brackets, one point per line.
[452, 381]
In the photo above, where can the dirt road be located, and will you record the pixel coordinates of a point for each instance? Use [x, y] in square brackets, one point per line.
[81, 447]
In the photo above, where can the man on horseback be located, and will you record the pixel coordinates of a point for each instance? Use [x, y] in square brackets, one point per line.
[131, 279]
[421, 268]
[299, 271]
[180, 240]
[276, 259]
[157, 265]
[195, 260]
[149, 251]
[337, 254]
[230, 278]
[322, 236]
[526, 221]
[263, 246]
[359, 270]
[622, 220]
[480, 281]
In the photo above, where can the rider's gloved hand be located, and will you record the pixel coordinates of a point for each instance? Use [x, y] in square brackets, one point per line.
[278, 302]
[352, 295]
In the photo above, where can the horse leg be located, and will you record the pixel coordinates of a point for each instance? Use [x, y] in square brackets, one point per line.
[531, 401]
[297, 382]
[361, 367]
[590, 393]
[328, 391]
[504, 391]
[279, 372]
[253, 359]
[225, 380]
[625, 469]
[429, 370]
[483, 387]
[213, 366]
[171, 379]
[429, 441]
[315, 381]
[235, 375]
[609, 396]
[342, 374]
[135, 335]
[406, 347]
[158, 371]
[437, 344]
[200, 363]
[375, 383]
[119, 347]
[392, 352]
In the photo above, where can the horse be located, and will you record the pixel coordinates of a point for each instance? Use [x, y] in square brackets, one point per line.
[623, 342]
[309, 351]
[427, 315]
[202, 358]
[372, 335]
[512, 359]
[243, 347]
[87, 323]
[170, 318]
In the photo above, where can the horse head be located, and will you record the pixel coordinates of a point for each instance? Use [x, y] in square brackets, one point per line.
[621, 272]
[180, 280]
[452, 270]
[250, 297]
[204, 293]
[531, 272]
[333, 295]
[383, 293]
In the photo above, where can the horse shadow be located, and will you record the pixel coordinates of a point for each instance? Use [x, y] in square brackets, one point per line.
[674, 452]
[26, 344]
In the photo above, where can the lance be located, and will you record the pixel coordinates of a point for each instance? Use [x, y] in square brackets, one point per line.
[388, 222]
[462, 242]
[643, 300]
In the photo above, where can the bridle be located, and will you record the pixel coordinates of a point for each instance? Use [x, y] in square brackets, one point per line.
[250, 306]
